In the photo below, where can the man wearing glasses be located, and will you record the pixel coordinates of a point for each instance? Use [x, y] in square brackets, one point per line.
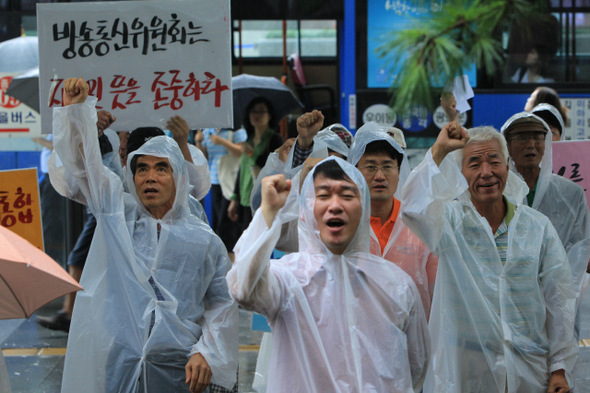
[384, 165]
[529, 141]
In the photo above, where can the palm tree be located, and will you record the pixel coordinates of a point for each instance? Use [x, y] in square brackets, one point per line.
[448, 42]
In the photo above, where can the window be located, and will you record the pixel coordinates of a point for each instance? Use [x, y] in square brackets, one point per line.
[555, 50]
[264, 38]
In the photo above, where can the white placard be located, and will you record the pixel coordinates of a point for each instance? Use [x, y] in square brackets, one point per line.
[16, 118]
[145, 61]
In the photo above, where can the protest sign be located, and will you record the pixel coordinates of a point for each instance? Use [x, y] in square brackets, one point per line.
[145, 61]
[16, 118]
[20, 209]
[571, 159]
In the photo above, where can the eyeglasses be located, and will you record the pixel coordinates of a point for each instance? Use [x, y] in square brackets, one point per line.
[372, 169]
[522, 138]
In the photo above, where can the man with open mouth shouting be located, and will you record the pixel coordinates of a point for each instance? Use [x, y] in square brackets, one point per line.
[343, 320]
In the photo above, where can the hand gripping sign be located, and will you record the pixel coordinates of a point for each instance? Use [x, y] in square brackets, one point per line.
[144, 61]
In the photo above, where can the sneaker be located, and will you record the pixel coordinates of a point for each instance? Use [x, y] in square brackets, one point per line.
[59, 321]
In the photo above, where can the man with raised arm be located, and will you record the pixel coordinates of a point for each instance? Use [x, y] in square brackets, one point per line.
[503, 309]
[343, 320]
[155, 315]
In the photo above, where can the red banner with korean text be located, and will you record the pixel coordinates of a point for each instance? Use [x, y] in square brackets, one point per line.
[145, 61]
[20, 209]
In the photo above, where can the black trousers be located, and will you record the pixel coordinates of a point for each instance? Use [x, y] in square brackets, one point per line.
[228, 231]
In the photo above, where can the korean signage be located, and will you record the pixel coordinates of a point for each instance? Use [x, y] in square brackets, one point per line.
[578, 126]
[19, 204]
[16, 118]
[145, 61]
[571, 159]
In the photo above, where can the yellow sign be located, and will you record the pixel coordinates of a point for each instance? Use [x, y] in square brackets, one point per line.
[20, 209]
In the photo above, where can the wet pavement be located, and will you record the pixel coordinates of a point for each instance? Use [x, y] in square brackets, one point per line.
[35, 355]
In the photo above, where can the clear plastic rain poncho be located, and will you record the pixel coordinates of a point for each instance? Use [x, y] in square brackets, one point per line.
[67, 185]
[341, 323]
[564, 203]
[403, 248]
[493, 327]
[326, 139]
[134, 262]
[324, 142]
[553, 110]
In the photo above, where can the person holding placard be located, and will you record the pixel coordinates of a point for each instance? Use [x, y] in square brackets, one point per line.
[155, 315]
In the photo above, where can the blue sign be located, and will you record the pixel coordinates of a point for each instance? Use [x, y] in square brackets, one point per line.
[383, 17]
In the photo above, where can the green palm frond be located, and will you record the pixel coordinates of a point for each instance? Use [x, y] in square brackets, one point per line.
[438, 48]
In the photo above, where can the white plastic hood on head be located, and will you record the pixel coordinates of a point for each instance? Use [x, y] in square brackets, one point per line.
[309, 236]
[371, 132]
[546, 162]
[164, 147]
[550, 108]
[326, 138]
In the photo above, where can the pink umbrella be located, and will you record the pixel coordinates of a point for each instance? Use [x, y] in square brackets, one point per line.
[29, 278]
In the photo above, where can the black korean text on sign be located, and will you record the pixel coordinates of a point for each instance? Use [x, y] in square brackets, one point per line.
[100, 37]
[575, 175]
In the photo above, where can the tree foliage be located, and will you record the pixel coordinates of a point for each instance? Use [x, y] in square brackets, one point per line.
[435, 50]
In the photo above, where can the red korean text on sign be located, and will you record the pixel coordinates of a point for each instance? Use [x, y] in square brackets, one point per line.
[192, 88]
[127, 88]
[18, 210]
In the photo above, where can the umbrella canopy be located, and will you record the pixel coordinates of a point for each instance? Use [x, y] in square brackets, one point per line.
[19, 54]
[29, 278]
[25, 88]
[246, 87]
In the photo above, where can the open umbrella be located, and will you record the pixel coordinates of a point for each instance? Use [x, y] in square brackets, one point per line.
[19, 54]
[246, 87]
[25, 88]
[29, 278]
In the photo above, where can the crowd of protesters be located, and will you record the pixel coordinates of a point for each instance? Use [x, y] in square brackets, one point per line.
[464, 274]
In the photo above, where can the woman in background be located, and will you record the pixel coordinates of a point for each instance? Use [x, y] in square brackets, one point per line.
[259, 123]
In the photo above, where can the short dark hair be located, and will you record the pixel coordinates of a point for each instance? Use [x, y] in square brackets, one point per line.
[331, 170]
[133, 163]
[550, 119]
[383, 147]
[271, 113]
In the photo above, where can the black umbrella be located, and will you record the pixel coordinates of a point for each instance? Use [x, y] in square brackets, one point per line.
[25, 88]
[246, 87]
